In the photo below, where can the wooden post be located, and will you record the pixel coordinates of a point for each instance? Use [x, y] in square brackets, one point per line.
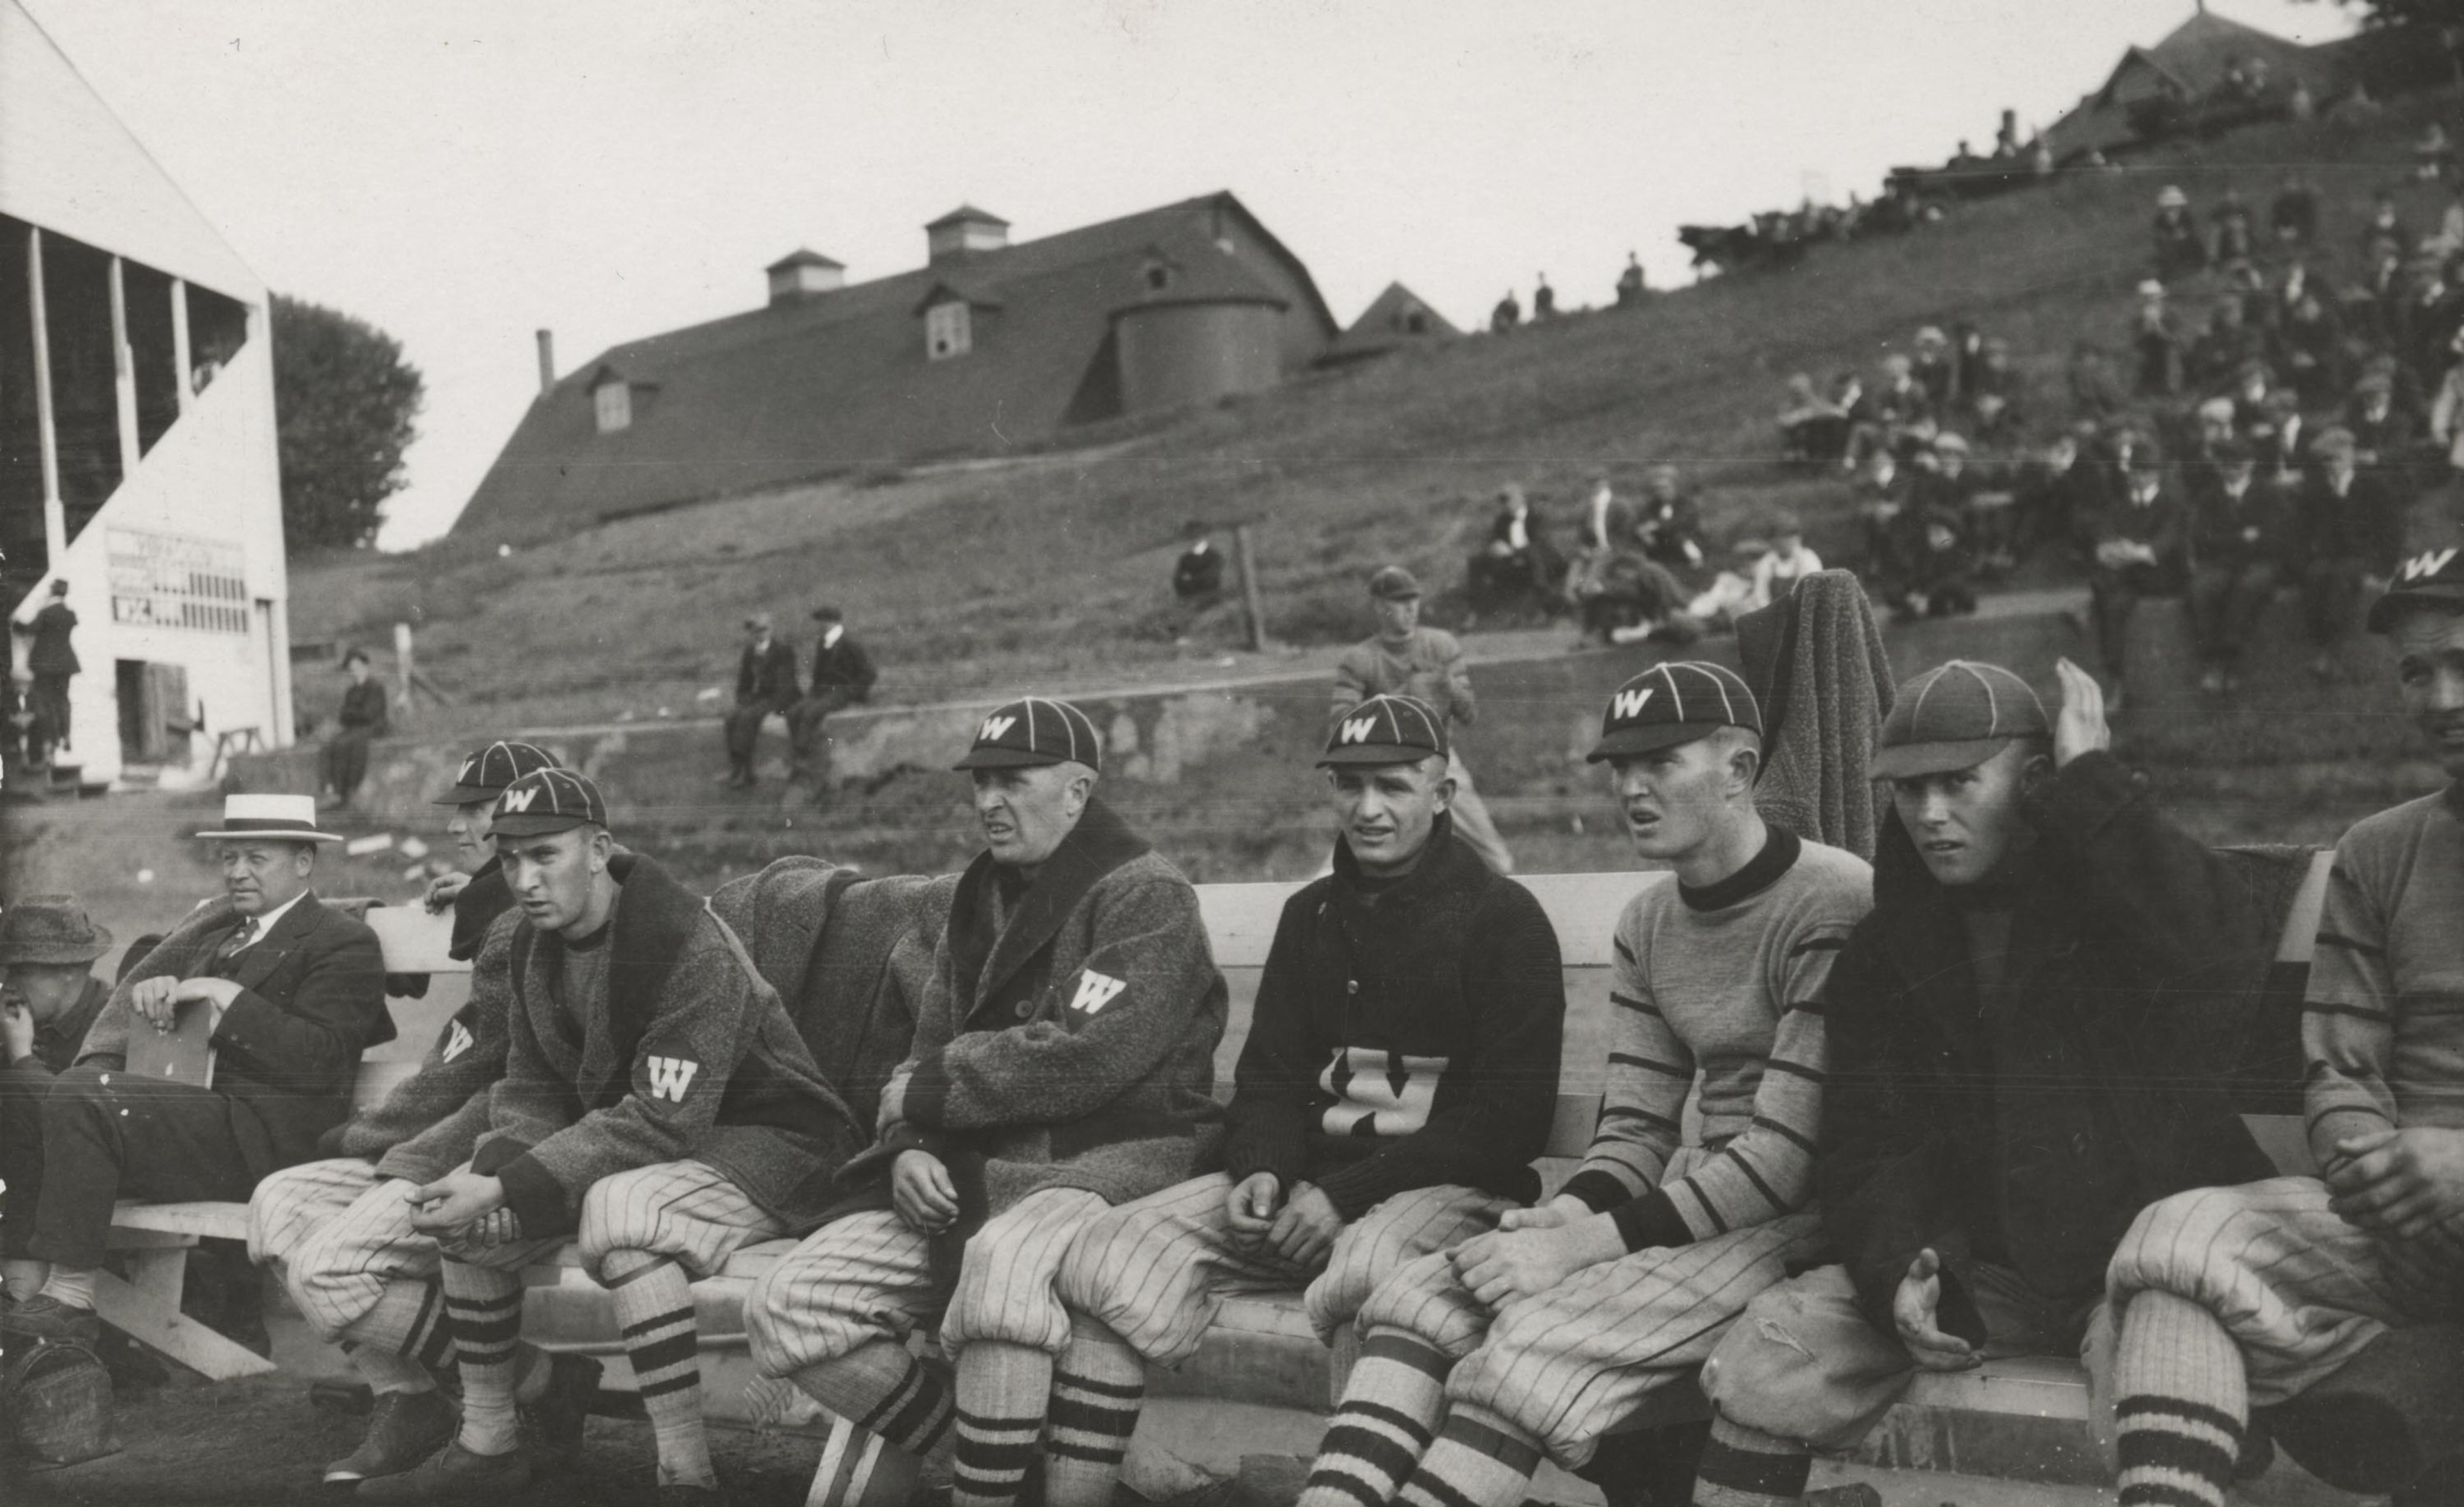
[402, 666]
[182, 358]
[56, 517]
[1249, 603]
[124, 375]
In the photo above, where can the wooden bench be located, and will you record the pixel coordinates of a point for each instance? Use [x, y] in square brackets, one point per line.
[1262, 1367]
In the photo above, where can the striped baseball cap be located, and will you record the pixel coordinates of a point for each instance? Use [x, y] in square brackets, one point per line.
[1385, 729]
[485, 774]
[547, 801]
[1033, 730]
[1956, 715]
[1673, 704]
[2430, 572]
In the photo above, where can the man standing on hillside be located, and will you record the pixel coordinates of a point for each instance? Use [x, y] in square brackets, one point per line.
[52, 662]
[765, 683]
[1403, 659]
[843, 674]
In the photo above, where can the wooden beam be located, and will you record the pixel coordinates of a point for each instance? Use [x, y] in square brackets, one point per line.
[55, 516]
[123, 376]
[183, 358]
[147, 1308]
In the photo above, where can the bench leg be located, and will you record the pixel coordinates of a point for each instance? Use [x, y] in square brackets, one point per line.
[147, 1308]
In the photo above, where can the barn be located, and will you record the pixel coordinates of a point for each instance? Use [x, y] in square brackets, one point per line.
[138, 460]
[991, 347]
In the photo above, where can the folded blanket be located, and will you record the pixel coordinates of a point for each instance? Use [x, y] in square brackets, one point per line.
[1816, 659]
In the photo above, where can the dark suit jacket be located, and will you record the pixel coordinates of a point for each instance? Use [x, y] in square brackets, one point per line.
[846, 666]
[311, 1000]
[49, 653]
[767, 678]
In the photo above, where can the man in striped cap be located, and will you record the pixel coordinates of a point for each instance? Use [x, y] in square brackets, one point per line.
[1064, 1062]
[1400, 1074]
[2031, 1040]
[340, 1226]
[1537, 1339]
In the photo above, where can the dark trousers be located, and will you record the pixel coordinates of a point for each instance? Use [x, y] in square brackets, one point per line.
[2111, 595]
[2331, 594]
[21, 1155]
[347, 760]
[2226, 603]
[108, 1135]
[48, 698]
[808, 750]
[744, 732]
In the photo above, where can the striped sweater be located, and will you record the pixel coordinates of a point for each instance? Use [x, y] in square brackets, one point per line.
[2383, 1029]
[1722, 981]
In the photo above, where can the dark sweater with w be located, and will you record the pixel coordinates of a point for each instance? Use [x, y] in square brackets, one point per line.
[1405, 1036]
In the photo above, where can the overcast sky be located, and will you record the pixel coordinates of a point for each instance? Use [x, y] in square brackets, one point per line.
[462, 172]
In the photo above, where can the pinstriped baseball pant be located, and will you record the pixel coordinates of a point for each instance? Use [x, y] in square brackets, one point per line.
[1156, 1271]
[869, 1277]
[2300, 1288]
[690, 1211]
[342, 1235]
[1568, 1364]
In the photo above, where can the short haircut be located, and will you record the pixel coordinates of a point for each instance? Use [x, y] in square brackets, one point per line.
[355, 656]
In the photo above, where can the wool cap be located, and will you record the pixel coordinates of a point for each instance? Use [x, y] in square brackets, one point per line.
[1674, 704]
[1385, 729]
[2430, 571]
[1394, 583]
[1033, 730]
[1955, 717]
[485, 774]
[49, 929]
[547, 801]
[293, 818]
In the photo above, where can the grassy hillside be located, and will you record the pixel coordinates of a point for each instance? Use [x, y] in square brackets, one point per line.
[1053, 571]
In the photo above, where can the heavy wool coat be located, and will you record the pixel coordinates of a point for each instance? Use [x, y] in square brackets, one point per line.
[2030, 1128]
[687, 1055]
[287, 1050]
[852, 956]
[432, 1121]
[1072, 1045]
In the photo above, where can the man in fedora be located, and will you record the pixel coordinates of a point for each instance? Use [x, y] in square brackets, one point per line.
[765, 683]
[296, 992]
[49, 996]
[843, 674]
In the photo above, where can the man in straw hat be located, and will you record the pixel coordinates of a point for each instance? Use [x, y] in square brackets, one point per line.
[340, 1226]
[49, 996]
[1063, 1062]
[2030, 1041]
[1537, 1340]
[296, 991]
[1400, 1077]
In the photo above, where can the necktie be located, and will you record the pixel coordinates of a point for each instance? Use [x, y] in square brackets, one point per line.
[233, 945]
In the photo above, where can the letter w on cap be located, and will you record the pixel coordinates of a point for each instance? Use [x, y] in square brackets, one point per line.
[670, 1076]
[1630, 703]
[1355, 730]
[2429, 563]
[995, 726]
[519, 800]
[1095, 990]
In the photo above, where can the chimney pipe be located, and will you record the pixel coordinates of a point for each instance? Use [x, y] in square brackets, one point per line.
[547, 361]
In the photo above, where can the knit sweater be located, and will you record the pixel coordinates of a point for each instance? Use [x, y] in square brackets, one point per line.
[2381, 1026]
[1722, 980]
[1429, 665]
[686, 1053]
[1402, 1037]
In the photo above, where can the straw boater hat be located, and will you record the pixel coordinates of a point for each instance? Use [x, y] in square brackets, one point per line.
[291, 819]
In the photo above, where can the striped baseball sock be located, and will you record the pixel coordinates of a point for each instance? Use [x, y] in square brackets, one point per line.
[396, 1343]
[485, 1308]
[75, 1288]
[2183, 1400]
[654, 1313]
[1003, 1390]
[1096, 1387]
[1479, 1459]
[1745, 1468]
[880, 1387]
[1388, 1415]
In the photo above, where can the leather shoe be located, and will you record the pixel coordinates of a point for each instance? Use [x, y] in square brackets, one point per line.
[405, 1429]
[452, 1474]
[42, 1318]
[557, 1418]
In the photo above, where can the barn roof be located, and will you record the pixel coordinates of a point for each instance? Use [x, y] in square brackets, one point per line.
[2194, 59]
[1384, 324]
[827, 383]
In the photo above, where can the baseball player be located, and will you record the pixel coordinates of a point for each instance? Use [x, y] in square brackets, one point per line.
[2030, 1037]
[656, 1099]
[1063, 1062]
[1540, 1337]
[1403, 659]
[2231, 1297]
[1400, 1074]
[340, 1228]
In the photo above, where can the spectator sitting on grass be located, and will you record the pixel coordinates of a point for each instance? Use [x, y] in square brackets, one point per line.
[1935, 368]
[2384, 225]
[1516, 564]
[2156, 346]
[1735, 590]
[2097, 396]
[1992, 394]
[2237, 544]
[362, 719]
[2060, 492]
[2345, 532]
[2232, 240]
[2310, 346]
[2229, 340]
[1941, 563]
[2140, 551]
[2381, 429]
[1881, 496]
[1198, 575]
[2294, 214]
[2447, 409]
[1812, 430]
[2180, 249]
[1669, 523]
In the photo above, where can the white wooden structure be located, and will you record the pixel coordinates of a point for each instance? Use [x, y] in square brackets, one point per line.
[136, 363]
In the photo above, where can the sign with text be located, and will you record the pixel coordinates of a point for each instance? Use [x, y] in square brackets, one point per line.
[173, 581]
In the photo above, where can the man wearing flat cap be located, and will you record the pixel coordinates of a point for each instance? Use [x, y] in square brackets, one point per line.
[658, 1107]
[2344, 531]
[1399, 1076]
[1063, 1062]
[48, 997]
[1403, 659]
[1534, 1341]
[296, 991]
[2030, 1037]
[765, 684]
[843, 674]
[340, 1226]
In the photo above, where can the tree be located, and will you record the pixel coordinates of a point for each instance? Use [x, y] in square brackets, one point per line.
[344, 401]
